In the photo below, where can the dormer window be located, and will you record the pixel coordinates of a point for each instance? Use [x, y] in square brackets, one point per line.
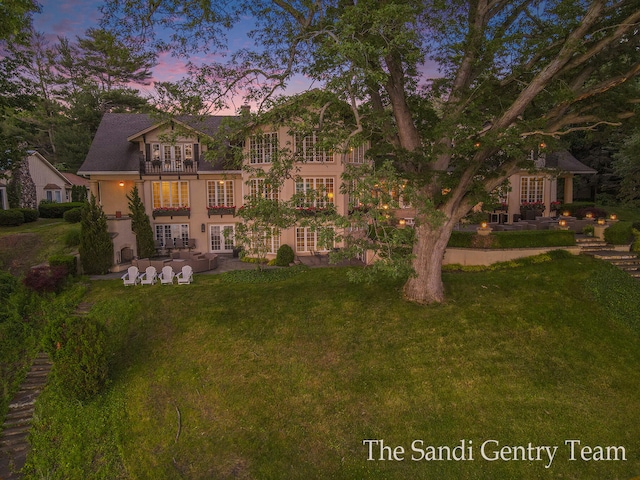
[172, 157]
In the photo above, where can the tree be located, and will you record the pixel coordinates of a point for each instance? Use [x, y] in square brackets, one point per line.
[96, 248]
[140, 225]
[514, 75]
[627, 166]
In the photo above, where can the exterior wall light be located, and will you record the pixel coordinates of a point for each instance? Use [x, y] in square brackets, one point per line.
[121, 184]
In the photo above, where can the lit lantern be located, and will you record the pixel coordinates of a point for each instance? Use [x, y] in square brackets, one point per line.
[613, 217]
[121, 184]
[484, 225]
[401, 223]
[566, 213]
[589, 215]
[601, 221]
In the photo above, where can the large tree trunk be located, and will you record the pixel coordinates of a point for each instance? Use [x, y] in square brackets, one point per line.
[428, 251]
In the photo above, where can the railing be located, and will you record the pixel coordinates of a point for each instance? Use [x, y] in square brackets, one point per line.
[156, 167]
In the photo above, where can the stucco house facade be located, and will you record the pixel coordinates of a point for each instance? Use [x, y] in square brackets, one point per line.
[193, 201]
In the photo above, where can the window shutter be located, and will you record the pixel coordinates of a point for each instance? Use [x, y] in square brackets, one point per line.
[147, 152]
[196, 153]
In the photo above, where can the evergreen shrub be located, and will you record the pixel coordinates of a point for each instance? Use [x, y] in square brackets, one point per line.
[30, 214]
[70, 262]
[285, 255]
[619, 233]
[11, 218]
[73, 215]
[56, 210]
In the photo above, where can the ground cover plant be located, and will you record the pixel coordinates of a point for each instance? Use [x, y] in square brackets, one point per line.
[287, 378]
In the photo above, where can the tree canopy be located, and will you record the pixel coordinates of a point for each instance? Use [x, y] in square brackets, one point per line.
[512, 75]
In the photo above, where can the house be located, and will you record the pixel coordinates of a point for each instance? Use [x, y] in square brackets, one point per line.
[38, 180]
[191, 201]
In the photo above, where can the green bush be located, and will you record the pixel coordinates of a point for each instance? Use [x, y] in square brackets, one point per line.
[517, 239]
[70, 262]
[30, 214]
[78, 347]
[11, 218]
[619, 233]
[73, 215]
[572, 208]
[56, 210]
[285, 255]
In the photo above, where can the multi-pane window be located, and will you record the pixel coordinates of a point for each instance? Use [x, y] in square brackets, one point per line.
[531, 189]
[221, 238]
[268, 241]
[166, 234]
[356, 154]
[173, 156]
[315, 192]
[258, 189]
[170, 194]
[262, 147]
[307, 240]
[220, 193]
[307, 148]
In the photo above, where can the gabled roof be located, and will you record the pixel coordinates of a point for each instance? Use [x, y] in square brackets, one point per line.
[114, 151]
[564, 161]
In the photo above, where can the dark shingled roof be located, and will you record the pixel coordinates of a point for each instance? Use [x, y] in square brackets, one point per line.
[110, 150]
[564, 161]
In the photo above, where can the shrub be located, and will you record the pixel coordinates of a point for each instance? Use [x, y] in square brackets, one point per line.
[56, 210]
[588, 230]
[619, 233]
[46, 278]
[73, 215]
[11, 218]
[30, 214]
[517, 239]
[78, 347]
[285, 255]
[572, 208]
[70, 262]
[595, 211]
[96, 247]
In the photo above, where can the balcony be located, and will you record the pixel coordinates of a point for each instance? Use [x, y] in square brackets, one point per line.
[159, 167]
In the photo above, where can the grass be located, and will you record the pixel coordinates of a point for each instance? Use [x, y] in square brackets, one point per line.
[33, 243]
[285, 379]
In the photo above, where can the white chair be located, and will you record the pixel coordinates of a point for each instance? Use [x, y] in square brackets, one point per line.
[185, 276]
[166, 276]
[131, 277]
[149, 277]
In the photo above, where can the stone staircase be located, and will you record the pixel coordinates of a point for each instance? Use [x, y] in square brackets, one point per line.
[625, 260]
[13, 438]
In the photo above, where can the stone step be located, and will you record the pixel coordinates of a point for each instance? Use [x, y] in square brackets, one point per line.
[18, 421]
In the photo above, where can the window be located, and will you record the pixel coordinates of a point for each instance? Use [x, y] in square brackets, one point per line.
[262, 147]
[307, 148]
[54, 196]
[314, 192]
[269, 241]
[356, 154]
[258, 189]
[173, 156]
[170, 194]
[531, 190]
[220, 193]
[307, 240]
[167, 233]
[221, 238]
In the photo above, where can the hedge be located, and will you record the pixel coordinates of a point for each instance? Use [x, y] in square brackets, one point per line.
[70, 262]
[11, 218]
[30, 214]
[619, 233]
[73, 215]
[517, 239]
[56, 210]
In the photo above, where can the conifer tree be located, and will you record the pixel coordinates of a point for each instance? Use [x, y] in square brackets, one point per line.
[141, 225]
[96, 248]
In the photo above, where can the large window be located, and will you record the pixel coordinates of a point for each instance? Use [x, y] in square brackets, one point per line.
[531, 190]
[258, 189]
[220, 193]
[308, 150]
[172, 156]
[262, 147]
[166, 234]
[356, 154]
[170, 194]
[307, 240]
[315, 192]
[54, 195]
[221, 238]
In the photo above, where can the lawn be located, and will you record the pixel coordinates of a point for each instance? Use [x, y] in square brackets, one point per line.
[287, 379]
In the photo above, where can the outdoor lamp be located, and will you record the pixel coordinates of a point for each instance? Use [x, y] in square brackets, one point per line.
[401, 223]
[613, 217]
[601, 221]
[121, 183]
[483, 225]
[566, 213]
[562, 223]
[589, 215]
[202, 228]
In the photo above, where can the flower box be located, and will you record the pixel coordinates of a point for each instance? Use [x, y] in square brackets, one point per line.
[222, 210]
[172, 212]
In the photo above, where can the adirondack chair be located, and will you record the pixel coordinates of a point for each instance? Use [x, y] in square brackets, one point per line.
[149, 277]
[166, 276]
[131, 277]
[185, 276]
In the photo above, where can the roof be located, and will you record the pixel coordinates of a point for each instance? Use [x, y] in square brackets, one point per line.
[563, 160]
[76, 179]
[52, 186]
[113, 148]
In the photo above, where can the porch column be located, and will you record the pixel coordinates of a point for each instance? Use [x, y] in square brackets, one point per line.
[568, 189]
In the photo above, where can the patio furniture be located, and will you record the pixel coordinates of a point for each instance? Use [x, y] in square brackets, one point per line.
[166, 276]
[185, 276]
[131, 277]
[191, 243]
[179, 243]
[149, 277]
